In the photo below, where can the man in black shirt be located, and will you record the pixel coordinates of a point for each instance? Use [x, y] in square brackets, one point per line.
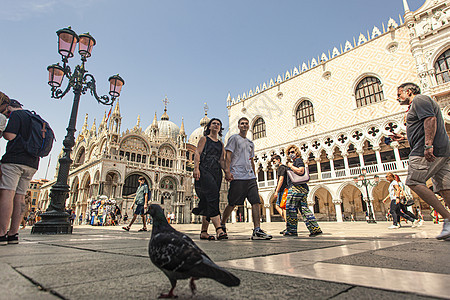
[18, 168]
[281, 185]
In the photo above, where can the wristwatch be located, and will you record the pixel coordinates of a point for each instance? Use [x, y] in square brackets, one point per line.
[428, 147]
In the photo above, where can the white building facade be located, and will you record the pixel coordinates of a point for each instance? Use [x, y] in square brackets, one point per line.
[340, 107]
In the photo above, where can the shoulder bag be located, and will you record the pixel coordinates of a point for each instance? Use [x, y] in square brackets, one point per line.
[298, 179]
[405, 198]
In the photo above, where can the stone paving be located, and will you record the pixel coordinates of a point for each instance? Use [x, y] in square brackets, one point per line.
[351, 260]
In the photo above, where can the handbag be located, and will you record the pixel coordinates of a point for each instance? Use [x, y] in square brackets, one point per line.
[405, 199]
[298, 179]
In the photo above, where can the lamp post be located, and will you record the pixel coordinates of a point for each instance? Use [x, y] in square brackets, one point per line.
[55, 220]
[362, 181]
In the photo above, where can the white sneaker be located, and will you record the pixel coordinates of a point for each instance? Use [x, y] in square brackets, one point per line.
[394, 227]
[417, 223]
[420, 223]
[445, 230]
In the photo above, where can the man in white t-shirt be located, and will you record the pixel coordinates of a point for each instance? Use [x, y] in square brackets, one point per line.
[240, 171]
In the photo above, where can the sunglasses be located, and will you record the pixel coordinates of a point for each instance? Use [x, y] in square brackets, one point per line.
[291, 152]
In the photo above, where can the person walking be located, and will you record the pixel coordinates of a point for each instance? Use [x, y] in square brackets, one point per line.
[240, 171]
[209, 160]
[281, 186]
[297, 198]
[430, 150]
[403, 195]
[141, 202]
[4, 102]
[17, 168]
[394, 195]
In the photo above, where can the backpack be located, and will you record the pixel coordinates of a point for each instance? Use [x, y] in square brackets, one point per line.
[40, 141]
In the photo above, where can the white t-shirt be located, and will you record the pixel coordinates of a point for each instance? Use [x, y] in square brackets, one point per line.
[243, 151]
[391, 189]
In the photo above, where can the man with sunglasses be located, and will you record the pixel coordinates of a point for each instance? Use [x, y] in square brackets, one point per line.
[430, 150]
[240, 170]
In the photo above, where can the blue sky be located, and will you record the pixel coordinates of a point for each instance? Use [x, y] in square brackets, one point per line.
[192, 51]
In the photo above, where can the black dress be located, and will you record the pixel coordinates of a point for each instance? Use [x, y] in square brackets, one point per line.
[208, 186]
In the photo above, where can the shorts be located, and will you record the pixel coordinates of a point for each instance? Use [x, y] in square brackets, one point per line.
[16, 177]
[241, 189]
[139, 209]
[279, 197]
[420, 170]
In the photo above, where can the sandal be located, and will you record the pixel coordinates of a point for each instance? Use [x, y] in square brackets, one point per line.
[126, 228]
[143, 229]
[223, 235]
[209, 238]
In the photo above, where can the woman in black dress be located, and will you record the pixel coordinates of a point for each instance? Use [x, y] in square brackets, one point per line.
[209, 161]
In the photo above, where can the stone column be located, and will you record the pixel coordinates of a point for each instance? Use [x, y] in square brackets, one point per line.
[337, 205]
[378, 156]
[398, 161]
[233, 216]
[333, 172]
[361, 157]
[267, 207]
[319, 169]
[265, 175]
[347, 169]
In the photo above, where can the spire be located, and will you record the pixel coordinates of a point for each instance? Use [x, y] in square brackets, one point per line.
[138, 124]
[155, 122]
[204, 121]
[102, 123]
[182, 132]
[85, 125]
[165, 116]
[406, 6]
[94, 128]
[117, 109]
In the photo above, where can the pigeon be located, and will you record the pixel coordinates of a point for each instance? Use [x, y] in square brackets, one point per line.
[179, 257]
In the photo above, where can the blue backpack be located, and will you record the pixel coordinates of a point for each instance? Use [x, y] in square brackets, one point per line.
[40, 141]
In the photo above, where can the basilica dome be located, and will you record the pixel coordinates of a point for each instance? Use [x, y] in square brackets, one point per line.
[166, 128]
[198, 133]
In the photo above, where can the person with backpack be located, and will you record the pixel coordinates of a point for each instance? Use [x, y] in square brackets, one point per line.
[18, 167]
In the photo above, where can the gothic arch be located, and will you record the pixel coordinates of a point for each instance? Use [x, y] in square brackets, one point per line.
[130, 137]
[438, 52]
[360, 77]
[309, 113]
[316, 188]
[80, 156]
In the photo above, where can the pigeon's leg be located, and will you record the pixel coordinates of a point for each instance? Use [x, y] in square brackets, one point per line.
[170, 294]
[192, 285]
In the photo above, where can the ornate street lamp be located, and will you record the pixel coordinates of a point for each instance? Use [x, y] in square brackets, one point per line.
[55, 220]
[362, 181]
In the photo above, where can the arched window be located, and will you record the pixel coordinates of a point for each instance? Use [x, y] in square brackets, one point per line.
[259, 129]
[368, 91]
[304, 113]
[442, 67]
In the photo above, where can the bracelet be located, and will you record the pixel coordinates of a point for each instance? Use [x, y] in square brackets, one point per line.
[428, 147]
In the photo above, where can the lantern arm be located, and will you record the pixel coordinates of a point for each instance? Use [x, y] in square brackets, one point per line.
[90, 83]
[58, 93]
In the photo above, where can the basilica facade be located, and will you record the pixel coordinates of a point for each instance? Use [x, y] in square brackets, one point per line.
[340, 108]
[107, 161]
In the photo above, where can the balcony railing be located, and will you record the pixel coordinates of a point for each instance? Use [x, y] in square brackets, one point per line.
[352, 172]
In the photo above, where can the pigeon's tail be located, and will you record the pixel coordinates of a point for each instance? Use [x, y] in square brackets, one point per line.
[226, 278]
[210, 270]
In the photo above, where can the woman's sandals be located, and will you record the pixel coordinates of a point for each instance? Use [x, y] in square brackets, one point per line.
[209, 237]
[223, 235]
